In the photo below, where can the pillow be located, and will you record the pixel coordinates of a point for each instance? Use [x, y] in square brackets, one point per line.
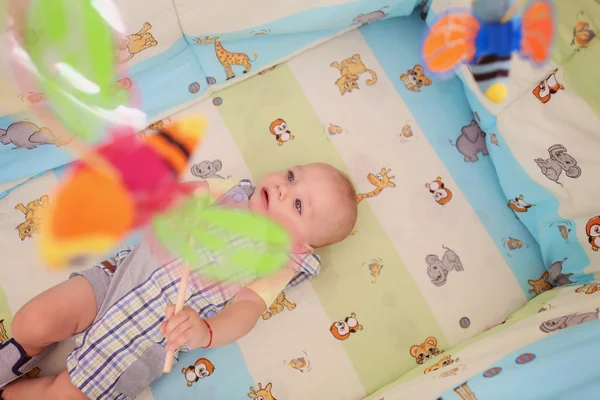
[543, 142]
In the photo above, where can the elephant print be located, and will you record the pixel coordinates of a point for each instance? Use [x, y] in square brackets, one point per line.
[208, 169]
[556, 277]
[27, 135]
[567, 321]
[373, 16]
[471, 141]
[557, 162]
[438, 270]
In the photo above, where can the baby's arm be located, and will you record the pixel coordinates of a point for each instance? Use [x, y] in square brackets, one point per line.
[233, 322]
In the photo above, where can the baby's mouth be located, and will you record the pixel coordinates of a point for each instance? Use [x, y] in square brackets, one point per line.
[265, 198]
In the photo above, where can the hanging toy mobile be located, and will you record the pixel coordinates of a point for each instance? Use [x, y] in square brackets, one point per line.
[486, 39]
[122, 185]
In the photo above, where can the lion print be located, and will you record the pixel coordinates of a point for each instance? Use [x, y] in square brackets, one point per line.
[425, 351]
[33, 217]
[280, 303]
[415, 79]
[350, 70]
[137, 42]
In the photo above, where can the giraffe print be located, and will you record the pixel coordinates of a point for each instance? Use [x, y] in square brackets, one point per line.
[226, 58]
[380, 181]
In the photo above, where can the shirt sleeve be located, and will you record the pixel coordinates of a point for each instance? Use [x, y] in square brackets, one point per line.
[268, 288]
[111, 264]
[300, 268]
[218, 187]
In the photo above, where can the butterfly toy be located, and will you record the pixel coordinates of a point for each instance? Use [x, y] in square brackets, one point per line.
[485, 39]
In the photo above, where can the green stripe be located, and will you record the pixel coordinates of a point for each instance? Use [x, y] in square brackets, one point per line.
[579, 65]
[394, 314]
[531, 308]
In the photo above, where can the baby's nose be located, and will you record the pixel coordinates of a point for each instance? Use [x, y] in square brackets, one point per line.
[282, 190]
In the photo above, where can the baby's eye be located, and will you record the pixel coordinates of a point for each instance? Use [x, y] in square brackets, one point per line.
[298, 205]
[290, 176]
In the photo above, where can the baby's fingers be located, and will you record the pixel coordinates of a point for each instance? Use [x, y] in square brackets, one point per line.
[175, 322]
[179, 337]
[170, 311]
[176, 331]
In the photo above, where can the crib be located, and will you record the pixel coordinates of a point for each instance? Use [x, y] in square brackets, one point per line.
[472, 267]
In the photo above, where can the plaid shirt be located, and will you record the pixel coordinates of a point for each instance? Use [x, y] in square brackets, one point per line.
[107, 348]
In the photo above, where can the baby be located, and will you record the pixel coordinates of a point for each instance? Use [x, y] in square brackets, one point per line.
[116, 309]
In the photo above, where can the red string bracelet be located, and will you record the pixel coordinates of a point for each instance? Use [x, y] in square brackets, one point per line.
[211, 335]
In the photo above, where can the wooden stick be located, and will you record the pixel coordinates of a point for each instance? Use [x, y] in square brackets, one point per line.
[512, 10]
[185, 277]
[93, 159]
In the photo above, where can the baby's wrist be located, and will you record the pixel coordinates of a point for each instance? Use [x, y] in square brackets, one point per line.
[209, 334]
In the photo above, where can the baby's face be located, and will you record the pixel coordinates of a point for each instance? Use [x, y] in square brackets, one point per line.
[305, 195]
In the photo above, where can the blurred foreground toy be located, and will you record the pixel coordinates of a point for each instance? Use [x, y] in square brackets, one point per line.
[66, 51]
[486, 38]
[97, 206]
[136, 187]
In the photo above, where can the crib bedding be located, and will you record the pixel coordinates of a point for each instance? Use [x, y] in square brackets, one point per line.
[553, 335]
[427, 267]
[546, 140]
[168, 55]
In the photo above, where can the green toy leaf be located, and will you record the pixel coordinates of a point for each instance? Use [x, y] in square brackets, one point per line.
[223, 243]
[74, 52]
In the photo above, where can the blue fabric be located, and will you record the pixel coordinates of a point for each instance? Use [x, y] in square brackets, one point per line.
[184, 71]
[477, 180]
[559, 366]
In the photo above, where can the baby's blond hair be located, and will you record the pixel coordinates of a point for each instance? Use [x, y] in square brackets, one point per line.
[347, 213]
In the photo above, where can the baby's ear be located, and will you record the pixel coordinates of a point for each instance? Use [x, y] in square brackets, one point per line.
[301, 248]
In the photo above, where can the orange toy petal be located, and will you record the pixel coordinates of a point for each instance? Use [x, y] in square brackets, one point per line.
[90, 213]
[538, 31]
[449, 42]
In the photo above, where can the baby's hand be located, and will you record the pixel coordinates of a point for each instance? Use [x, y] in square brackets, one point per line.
[184, 328]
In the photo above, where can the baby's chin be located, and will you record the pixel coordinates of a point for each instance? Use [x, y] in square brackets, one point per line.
[254, 204]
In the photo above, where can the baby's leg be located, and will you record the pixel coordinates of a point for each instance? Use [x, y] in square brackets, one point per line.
[47, 388]
[55, 315]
